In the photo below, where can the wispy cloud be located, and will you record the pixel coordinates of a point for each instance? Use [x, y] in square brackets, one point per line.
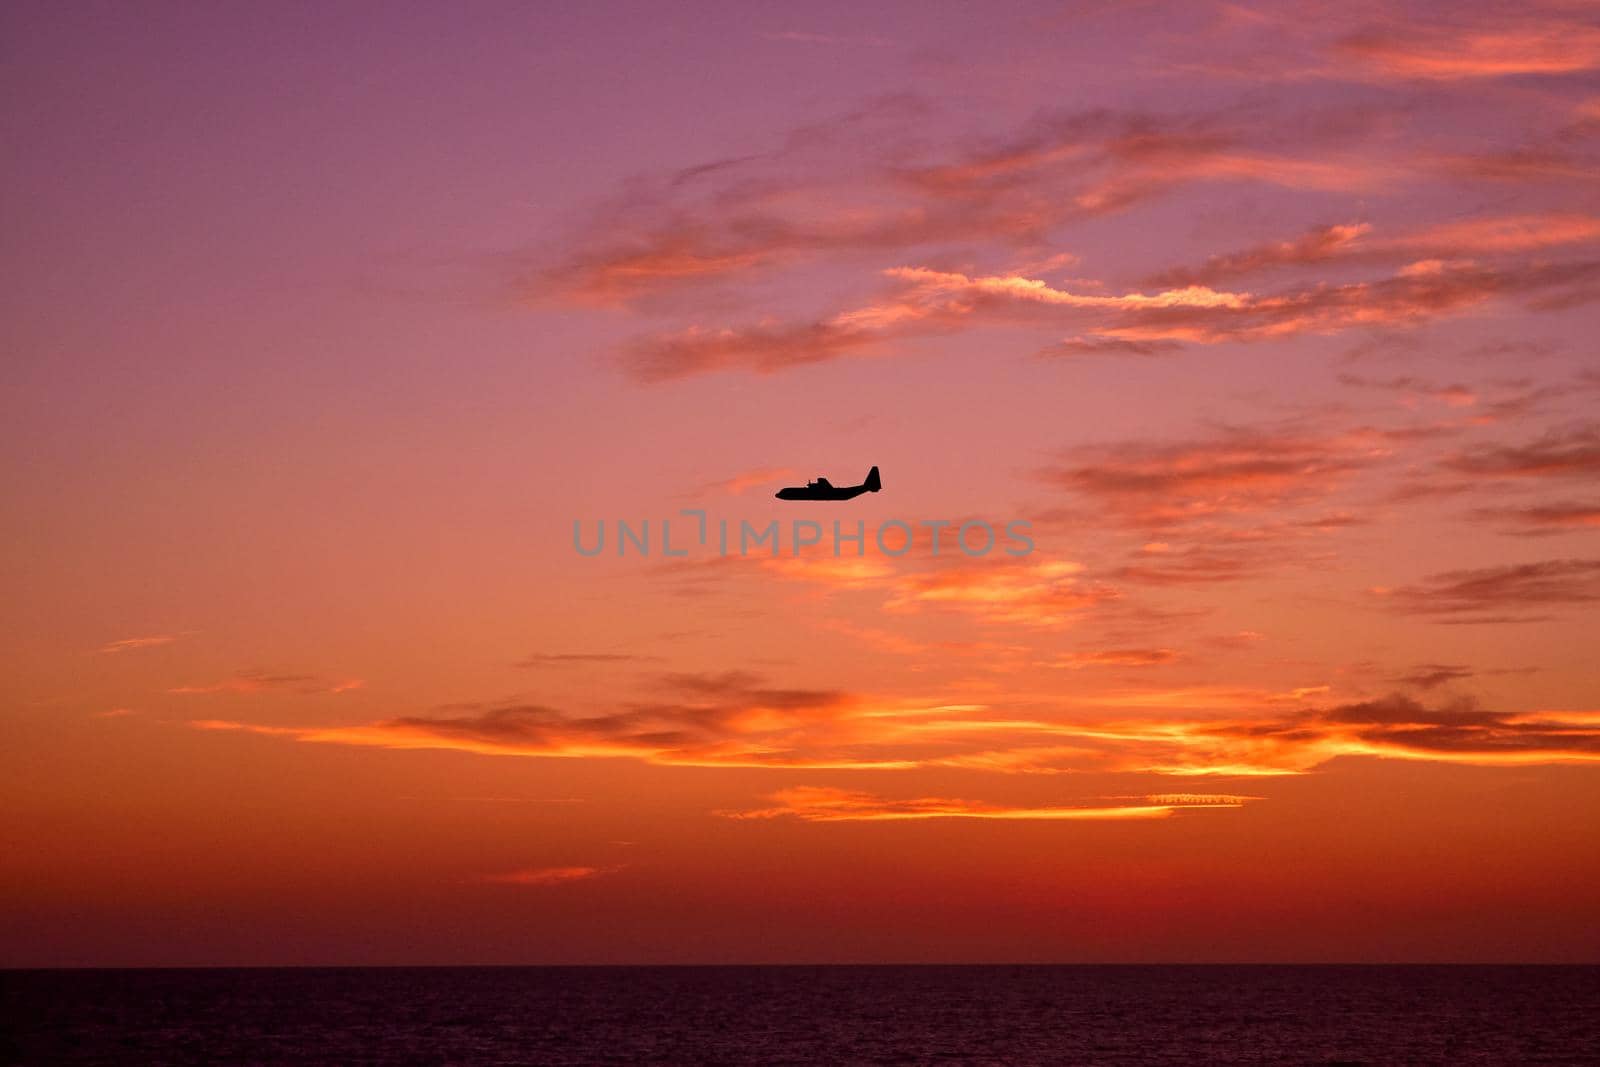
[727, 719]
[544, 876]
[1395, 46]
[744, 481]
[1360, 243]
[1543, 520]
[821, 804]
[891, 196]
[732, 721]
[1116, 657]
[922, 301]
[1508, 44]
[868, 183]
[1044, 593]
[1484, 594]
[1234, 471]
[1569, 452]
[1107, 346]
[1433, 675]
[264, 682]
[129, 644]
[1412, 391]
[1028, 591]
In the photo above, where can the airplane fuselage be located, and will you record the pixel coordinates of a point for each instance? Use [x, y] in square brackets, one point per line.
[817, 492]
[821, 489]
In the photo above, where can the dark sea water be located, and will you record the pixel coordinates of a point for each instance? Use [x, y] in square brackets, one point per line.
[806, 1015]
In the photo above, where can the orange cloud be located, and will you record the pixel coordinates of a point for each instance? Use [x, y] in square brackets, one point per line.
[1235, 471]
[1410, 297]
[745, 481]
[1197, 566]
[994, 588]
[1538, 163]
[868, 182]
[1116, 657]
[728, 719]
[966, 291]
[1569, 452]
[1034, 593]
[925, 301]
[1390, 728]
[1474, 595]
[1356, 243]
[732, 720]
[1432, 675]
[128, 644]
[1108, 346]
[1413, 390]
[1444, 53]
[820, 804]
[262, 682]
[1544, 519]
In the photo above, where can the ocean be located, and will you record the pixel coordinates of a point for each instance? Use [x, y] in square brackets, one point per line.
[805, 1015]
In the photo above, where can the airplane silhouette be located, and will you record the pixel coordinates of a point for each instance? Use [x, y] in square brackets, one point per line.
[822, 489]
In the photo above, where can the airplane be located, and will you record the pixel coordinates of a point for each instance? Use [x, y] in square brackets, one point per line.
[822, 489]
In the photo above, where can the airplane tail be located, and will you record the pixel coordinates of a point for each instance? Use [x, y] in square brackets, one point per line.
[873, 483]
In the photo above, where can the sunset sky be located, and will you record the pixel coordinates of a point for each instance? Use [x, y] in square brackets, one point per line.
[324, 325]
